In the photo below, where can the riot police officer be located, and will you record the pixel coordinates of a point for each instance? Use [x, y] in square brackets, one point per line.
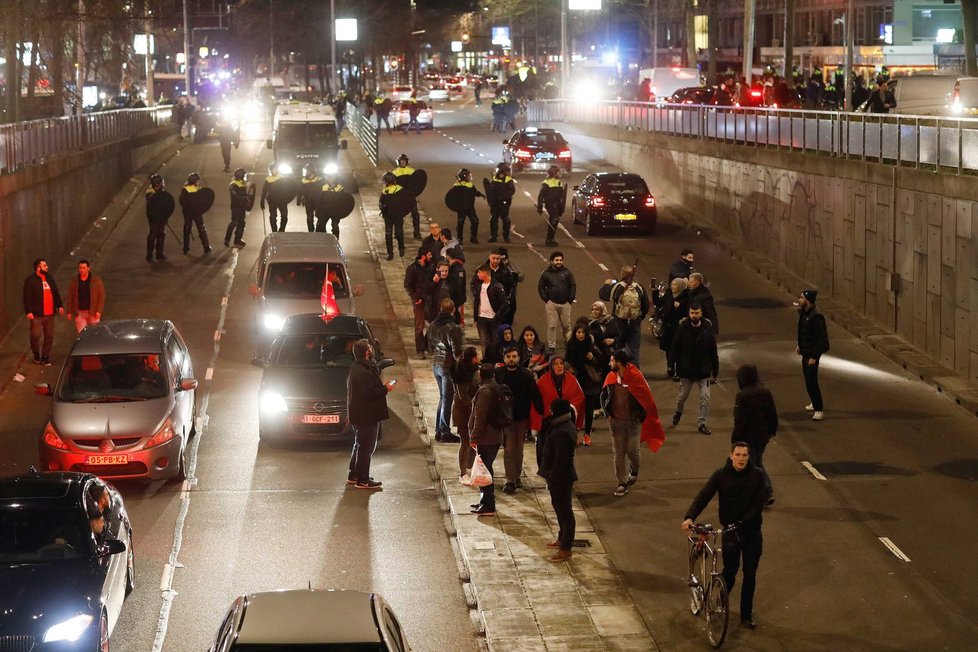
[239, 209]
[191, 214]
[552, 197]
[309, 194]
[404, 169]
[330, 185]
[157, 217]
[501, 190]
[272, 192]
[393, 223]
[464, 180]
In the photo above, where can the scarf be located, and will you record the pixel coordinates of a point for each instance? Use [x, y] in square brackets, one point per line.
[653, 435]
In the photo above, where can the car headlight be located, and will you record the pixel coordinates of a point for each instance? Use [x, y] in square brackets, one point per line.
[52, 439]
[272, 403]
[273, 323]
[163, 435]
[330, 168]
[957, 107]
[284, 168]
[68, 630]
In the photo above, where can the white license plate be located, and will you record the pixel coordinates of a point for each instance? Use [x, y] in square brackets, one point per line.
[108, 459]
[320, 418]
[545, 155]
[626, 217]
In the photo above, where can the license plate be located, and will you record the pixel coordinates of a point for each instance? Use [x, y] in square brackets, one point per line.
[545, 155]
[320, 418]
[108, 459]
[626, 217]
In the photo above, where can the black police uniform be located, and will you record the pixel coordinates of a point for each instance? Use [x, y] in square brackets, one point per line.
[239, 211]
[191, 218]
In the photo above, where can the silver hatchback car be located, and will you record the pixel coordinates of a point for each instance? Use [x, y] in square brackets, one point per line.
[124, 404]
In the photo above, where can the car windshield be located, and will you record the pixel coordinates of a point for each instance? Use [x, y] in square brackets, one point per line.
[302, 135]
[406, 106]
[304, 280]
[113, 377]
[545, 140]
[37, 535]
[317, 350]
[623, 186]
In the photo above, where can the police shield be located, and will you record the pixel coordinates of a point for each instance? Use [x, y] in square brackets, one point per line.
[283, 191]
[415, 183]
[459, 199]
[251, 197]
[201, 201]
[337, 205]
[400, 204]
[490, 191]
[160, 206]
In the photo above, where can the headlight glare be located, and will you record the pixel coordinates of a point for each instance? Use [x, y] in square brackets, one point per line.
[284, 168]
[273, 323]
[68, 630]
[330, 168]
[272, 403]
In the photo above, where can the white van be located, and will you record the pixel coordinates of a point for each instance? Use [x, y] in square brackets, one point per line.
[666, 81]
[922, 94]
[963, 100]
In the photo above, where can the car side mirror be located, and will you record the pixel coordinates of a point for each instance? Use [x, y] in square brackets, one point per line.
[358, 290]
[254, 289]
[112, 547]
[269, 144]
[259, 362]
[385, 362]
[187, 384]
[43, 389]
[342, 144]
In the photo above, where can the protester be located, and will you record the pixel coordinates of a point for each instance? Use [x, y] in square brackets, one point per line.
[485, 438]
[557, 289]
[366, 401]
[557, 466]
[465, 381]
[525, 396]
[41, 302]
[533, 355]
[629, 307]
[445, 343]
[557, 383]
[755, 420]
[588, 366]
[86, 297]
[813, 342]
[694, 350]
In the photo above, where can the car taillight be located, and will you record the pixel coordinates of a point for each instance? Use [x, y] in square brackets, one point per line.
[597, 200]
[650, 201]
[52, 439]
[564, 153]
[755, 93]
[523, 153]
[163, 435]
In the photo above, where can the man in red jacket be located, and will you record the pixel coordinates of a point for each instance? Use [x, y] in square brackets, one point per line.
[86, 297]
[41, 301]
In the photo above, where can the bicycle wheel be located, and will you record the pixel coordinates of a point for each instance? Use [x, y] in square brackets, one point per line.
[695, 578]
[717, 612]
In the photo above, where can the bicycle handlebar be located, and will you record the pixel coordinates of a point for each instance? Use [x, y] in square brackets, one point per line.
[707, 529]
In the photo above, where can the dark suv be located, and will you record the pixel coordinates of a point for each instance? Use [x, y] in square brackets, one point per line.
[537, 149]
[614, 201]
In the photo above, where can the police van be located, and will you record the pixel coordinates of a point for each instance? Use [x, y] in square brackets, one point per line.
[305, 133]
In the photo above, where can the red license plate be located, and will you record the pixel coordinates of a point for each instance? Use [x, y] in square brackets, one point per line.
[320, 418]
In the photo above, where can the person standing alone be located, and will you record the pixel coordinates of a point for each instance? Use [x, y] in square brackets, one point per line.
[813, 341]
[366, 408]
[41, 301]
[86, 297]
[557, 289]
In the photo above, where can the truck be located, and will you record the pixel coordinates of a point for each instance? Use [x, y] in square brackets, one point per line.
[666, 81]
[305, 133]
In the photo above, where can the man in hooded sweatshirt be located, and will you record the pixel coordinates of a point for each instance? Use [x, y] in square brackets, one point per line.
[559, 439]
[755, 420]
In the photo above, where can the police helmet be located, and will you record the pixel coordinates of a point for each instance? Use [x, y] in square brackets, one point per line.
[389, 178]
[156, 181]
[308, 170]
[504, 167]
[239, 173]
[193, 178]
[464, 174]
[403, 157]
[553, 171]
[273, 169]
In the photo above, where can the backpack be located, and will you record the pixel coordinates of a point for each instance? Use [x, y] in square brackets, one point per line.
[629, 305]
[501, 414]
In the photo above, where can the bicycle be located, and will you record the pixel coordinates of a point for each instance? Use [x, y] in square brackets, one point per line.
[707, 588]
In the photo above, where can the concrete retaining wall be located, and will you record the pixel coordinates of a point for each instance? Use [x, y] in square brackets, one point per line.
[898, 245]
[45, 210]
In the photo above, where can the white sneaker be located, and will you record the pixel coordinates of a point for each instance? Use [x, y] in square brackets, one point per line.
[818, 416]
[810, 407]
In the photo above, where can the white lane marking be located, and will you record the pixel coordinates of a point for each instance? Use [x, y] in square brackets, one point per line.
[209, 374]
[527, 193]
[892, 547]
[217, 336]
[224, 301]
[529, 245]
[604, 268]
[813, 470]
[167, 580]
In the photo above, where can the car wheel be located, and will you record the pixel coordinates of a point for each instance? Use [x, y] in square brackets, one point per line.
[103, 633]
[181, 473]
[592, 228]
[574, 212]
[130, 567]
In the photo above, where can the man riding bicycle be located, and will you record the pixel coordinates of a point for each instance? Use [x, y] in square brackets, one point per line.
[742, 494]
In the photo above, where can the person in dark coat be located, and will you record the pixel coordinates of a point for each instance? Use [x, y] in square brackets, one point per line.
[41, 302]
[464, 181]
[457, 286]
[604, 330]
[526, 396]
[465, 380]
[882, 99]
[366, 408]
[694, 348]
[813, 342]
[489, 302]
[445, 343]
[682, 267]
[484, 437]
[505, 338]
[502, 189]
[675, 306]
[590, 368]
[697, 292]
[741, 488]
[191, 216]
[755, 419]
[629, 305]
[533, 353]
[559, 438]
[416, 278]
[436, 290]
[155, 209]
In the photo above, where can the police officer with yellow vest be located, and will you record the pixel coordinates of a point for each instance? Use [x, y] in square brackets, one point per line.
[552, 197]
[501, 190]
[330, 185]
[272, 192]
[464, 180]
[239, 209]
[157, 223]
[393, 224]
[190, 214]
[309, 190]
[404, 169]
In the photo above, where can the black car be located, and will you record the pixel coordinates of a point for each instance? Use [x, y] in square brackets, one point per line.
[537, 149]
[705, 95]
[614, 201]
[66, 561]
[303, 389]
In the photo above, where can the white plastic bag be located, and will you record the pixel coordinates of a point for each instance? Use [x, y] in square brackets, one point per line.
[479, 476]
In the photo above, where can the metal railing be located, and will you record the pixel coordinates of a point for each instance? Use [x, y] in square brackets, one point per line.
[946, 144]
[364, 131]
[32, 143]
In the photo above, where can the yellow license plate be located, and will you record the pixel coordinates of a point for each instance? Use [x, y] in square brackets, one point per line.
[108, 459]
[320, 418]
[626, 217]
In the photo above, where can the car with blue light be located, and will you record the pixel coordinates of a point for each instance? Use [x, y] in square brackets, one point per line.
[66, 561]
[614, 201]
[536, 149]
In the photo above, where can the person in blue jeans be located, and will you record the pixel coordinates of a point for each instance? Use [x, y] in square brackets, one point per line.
[484, 437]
[445, 343]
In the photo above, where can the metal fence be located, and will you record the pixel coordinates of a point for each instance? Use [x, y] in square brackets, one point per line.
[948, 144]
[364, 131]
[31, 143]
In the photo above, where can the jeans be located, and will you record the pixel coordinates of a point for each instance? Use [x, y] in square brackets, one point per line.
[420, 341]
[487, 333]
[811, 382]
[757, 457]
[83, 318]
[413, 122]
[560, 498]
[749, 544]
[624, 443]
[513, 440]
[42, 325]
[557, 313]
[685, 385]
[364, 445]
[487, 494]
[631, 338]
[446, 393]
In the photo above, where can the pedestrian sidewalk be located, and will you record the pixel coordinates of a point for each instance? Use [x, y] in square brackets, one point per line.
[523, 601]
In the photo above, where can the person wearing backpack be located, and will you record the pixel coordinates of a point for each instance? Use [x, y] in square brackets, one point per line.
[522, 384]
[445, 342]
[630, 304]
[484, 437]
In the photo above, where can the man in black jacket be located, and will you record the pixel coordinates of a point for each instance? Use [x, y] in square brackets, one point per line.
[41, 301]
[415, 281]
[694, 349]
[699, 293]
[558, 438]
[489, 302]
[366, 407]
[813, 341]
[683, 267]
[741, 489]
[445, 342]
[457, 288]
[755, 420]
[525, 394]
[557, 289]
